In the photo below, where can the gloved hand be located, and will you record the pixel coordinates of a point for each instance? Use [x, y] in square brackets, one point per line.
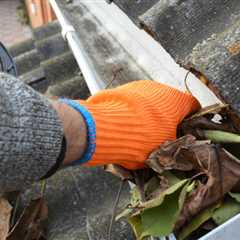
[132, 120]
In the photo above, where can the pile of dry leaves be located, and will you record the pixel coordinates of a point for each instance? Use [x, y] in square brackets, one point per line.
[193, 182]
[29, 225]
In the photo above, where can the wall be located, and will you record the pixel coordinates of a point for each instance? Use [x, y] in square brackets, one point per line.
[39, 12]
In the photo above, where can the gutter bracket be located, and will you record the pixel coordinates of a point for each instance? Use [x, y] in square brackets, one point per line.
[67, 29]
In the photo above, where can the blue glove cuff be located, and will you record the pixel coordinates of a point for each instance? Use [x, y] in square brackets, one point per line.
[91, 130]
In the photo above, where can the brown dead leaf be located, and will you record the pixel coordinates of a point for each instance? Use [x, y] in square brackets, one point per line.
[118, 171]
[164, 158]
[213, 109]
[219, 171]
[205, 159]
[5, 215]
[193, 125]
[30, 224]
[209, 225]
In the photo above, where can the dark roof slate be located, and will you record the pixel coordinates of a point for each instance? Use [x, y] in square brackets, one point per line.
[134, 8]
[202, 34]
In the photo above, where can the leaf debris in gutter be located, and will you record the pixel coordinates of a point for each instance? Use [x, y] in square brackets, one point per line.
[5, 215]
[29, 226]
[194, 180]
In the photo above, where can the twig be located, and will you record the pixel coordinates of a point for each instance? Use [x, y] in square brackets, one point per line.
[88, 228]
[115, 73]
[115, 208]
[217, 150]
[43, 186]
[185, 82]
[197, 175]
[15, 209]
[140, 185]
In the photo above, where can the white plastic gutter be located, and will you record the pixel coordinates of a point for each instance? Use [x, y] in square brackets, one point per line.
[85, 64]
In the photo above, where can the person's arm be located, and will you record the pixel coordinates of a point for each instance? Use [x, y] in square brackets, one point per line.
[116, 126]
[75, 131]
[32, 130]
[132, 120]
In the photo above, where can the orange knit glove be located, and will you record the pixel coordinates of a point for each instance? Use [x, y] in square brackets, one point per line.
[134, 119]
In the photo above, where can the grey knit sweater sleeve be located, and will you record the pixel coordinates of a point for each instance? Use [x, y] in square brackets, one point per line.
[30, 135]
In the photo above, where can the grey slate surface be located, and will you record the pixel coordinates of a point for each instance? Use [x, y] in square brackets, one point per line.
[51, 46]
[74, 88]
[202, 34]
[134, 8]
[47, 30]
[27, 60]
[22, 47]
[80, 201]
[45, 61]
[107, 55]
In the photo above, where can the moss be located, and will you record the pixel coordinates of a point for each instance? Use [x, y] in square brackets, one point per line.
[22, 14]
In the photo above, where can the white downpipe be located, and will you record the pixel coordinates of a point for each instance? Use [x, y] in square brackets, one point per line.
[69, 34]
